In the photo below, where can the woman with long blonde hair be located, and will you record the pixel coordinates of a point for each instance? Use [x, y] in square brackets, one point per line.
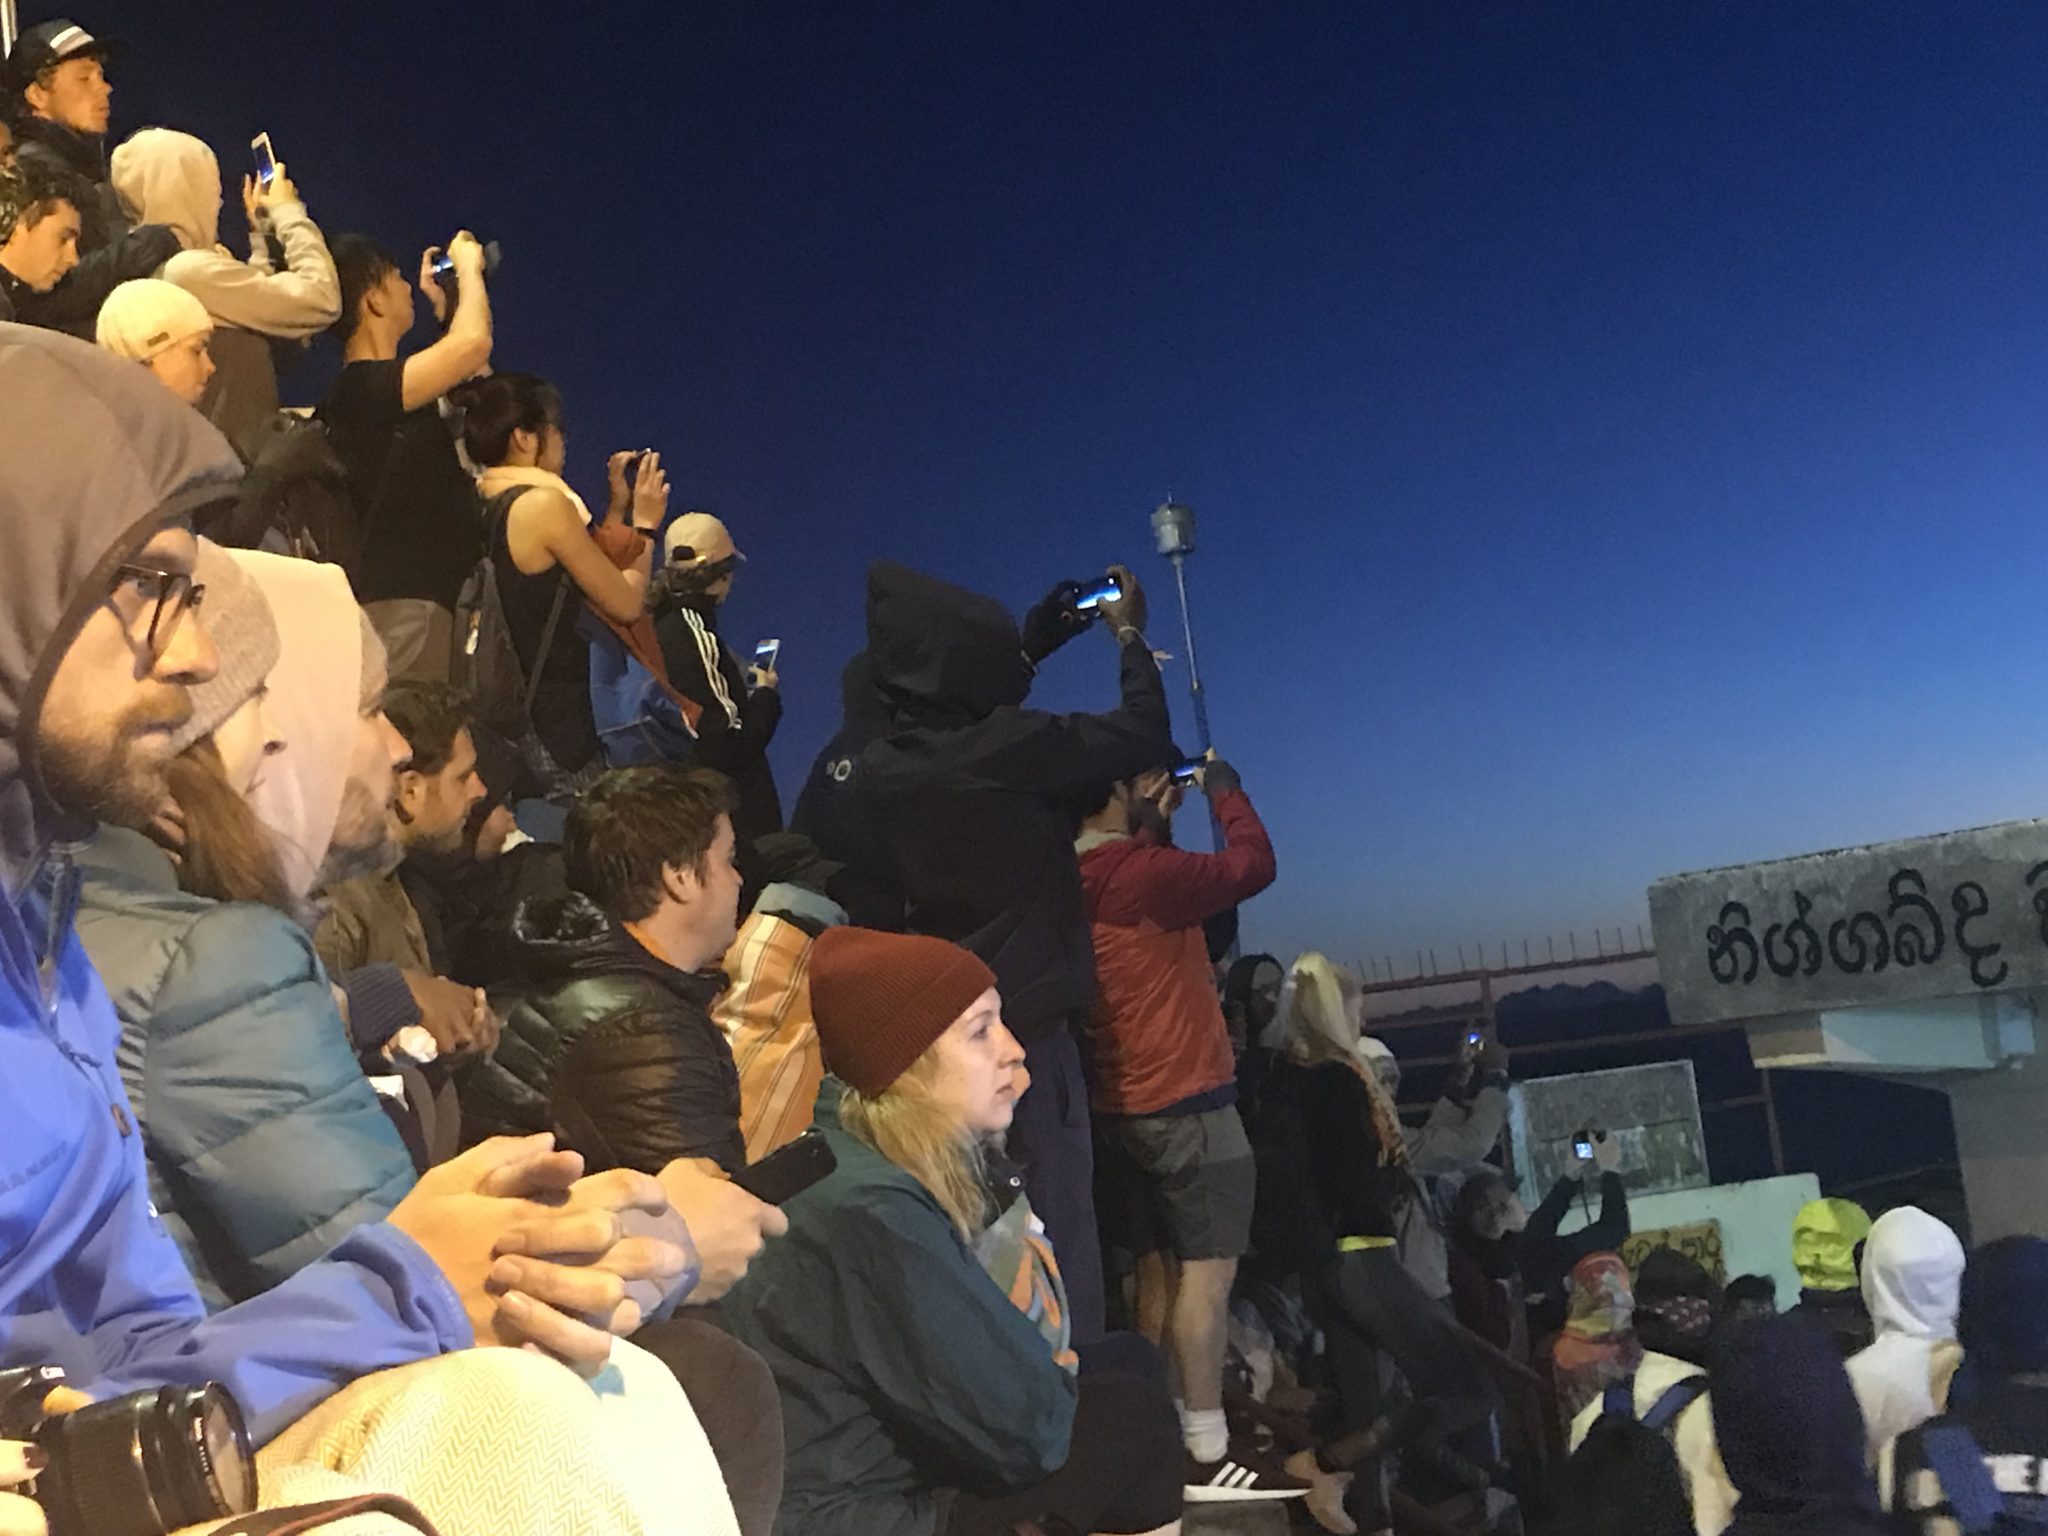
[918, 1397]
[1367, 1304]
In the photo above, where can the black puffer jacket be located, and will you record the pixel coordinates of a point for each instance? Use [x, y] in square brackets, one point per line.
[970, 792]
[111, 249]
[609, 1048]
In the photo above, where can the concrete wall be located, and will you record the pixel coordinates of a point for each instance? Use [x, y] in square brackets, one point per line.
[1755, 1218]
[1957, 915]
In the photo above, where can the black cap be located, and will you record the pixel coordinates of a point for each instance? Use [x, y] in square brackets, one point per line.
[50, 43]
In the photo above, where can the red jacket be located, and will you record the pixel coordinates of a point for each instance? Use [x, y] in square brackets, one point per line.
[1157, 1035]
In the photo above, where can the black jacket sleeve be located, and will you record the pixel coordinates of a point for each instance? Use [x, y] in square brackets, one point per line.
[1606, 1234]
[1070, 754]
[648, 1093]
[74, 304]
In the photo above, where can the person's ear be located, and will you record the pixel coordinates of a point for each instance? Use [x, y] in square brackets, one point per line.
[37, 95]
[680, 883]
[412, 791]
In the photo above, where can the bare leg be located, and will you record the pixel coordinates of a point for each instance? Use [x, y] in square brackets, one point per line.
[1199, 1326]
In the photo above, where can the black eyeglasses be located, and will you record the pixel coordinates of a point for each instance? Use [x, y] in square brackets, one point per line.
[161, 601]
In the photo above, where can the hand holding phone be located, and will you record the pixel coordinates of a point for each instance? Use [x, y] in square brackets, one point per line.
[789, 1170]
[1107, 590]
[767, 654]
[265, 158]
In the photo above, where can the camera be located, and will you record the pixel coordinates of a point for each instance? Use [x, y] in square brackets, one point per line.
[1185, 771]
[142, 1465]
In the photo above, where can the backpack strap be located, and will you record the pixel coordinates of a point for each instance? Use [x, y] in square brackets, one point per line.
[499, 512]
[1619, 1398]
[1673, 1401]
[1954, 1456]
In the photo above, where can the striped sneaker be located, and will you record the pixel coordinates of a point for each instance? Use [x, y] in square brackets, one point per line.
[1242, 1476]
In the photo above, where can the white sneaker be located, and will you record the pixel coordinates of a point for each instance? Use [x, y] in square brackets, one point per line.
[1240, 1477]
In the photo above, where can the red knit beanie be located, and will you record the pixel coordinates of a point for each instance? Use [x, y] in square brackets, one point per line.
[881, 999]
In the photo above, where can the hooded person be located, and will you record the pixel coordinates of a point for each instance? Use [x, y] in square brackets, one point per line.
[1463, 1127]
[171, 178]
[1976, 1467]
[830, 812]
[1598, 1346]
[1912, 1284]
[970, 795]
[1677, 1305]
[99, 471]
[918, 1396]
[266, 1143]
[1791, 1435]
[1827, 1237]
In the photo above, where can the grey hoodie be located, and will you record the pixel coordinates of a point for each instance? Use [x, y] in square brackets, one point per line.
[96, 465]
[171, 178]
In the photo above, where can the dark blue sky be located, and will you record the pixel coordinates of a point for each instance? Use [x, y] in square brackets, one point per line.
[1616, 429]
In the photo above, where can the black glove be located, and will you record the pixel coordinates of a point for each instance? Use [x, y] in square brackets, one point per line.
[1053, 621]
[1219, 778]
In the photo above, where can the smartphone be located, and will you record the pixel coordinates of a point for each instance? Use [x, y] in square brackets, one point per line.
[1582, 1147]
[767, 654]
[1472, 1037]
[1184, 772]
[444, 264]
[266, 159]
[788, 1171]
[1107, 590]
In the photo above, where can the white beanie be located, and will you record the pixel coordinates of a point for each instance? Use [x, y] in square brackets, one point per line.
[146, 315]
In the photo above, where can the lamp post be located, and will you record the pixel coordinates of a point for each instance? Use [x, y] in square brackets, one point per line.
[1173, 529]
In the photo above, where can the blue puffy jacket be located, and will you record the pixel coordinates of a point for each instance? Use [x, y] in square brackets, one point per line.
[266, 1143]
[94, 459]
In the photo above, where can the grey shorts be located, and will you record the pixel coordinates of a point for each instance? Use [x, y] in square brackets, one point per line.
[1178, 1184]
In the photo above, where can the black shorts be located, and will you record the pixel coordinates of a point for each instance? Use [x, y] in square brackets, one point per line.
[1178, 1184]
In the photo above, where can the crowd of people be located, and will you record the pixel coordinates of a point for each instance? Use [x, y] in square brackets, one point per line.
[435, 1053]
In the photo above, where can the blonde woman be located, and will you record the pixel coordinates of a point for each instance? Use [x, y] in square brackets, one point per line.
[1358, 1187]
[917, 1398]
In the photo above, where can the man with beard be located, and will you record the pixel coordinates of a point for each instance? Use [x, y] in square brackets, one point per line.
[371, 920]
[100, 472]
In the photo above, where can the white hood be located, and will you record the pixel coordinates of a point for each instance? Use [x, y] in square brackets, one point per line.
[1912, 1275]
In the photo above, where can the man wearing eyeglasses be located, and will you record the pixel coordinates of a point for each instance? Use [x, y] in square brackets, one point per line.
[100, 636]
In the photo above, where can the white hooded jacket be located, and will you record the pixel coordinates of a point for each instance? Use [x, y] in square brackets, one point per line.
[1912, 1279]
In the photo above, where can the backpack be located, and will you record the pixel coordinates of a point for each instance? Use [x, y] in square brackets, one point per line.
[1620, 1398]
[486, 663]
[295, 496]
[1954, 1456]
[638, 720]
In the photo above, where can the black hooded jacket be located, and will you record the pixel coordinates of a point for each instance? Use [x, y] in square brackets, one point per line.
[832, 815]
[611, 1049]
[969, 792]
[1791, 1434]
